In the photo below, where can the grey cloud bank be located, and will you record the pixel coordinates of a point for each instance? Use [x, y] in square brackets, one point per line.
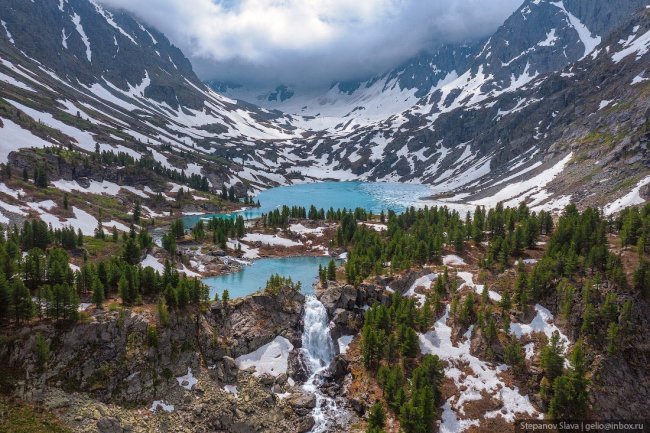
[312, 42]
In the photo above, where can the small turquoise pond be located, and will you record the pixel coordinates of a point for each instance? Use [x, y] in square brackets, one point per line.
[254, 276]
[372, 196]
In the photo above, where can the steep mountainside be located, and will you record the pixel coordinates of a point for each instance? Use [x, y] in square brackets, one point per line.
[508, 118]
[98, 77]
[510, 111]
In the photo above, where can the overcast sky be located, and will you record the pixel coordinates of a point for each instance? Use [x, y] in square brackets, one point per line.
[312, 42]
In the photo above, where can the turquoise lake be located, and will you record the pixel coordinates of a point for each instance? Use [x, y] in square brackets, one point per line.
[254, 276]
[372, 196]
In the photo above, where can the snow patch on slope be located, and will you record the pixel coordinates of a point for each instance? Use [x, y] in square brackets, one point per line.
[473, 376]
[272, 358]
[76, 19]
[590, 42]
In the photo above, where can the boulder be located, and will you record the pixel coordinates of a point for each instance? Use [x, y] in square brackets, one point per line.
[302, 400]
[109, 425]
[297, 367]
[337, 369]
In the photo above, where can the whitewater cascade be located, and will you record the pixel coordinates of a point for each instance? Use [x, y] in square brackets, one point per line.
[319, 348]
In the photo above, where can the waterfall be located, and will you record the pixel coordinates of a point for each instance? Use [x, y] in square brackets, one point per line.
[316, 335]
[318, 344]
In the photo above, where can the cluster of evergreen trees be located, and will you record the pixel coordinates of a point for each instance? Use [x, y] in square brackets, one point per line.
[229, 194]
[634, 227]
[416, 237]
[280, 217]
[565, 391]
[123, 159]
[40, 177]
[390, 350]
[36, 278]
[577, 268]
[327, 273]
[276, 283]
[37, 234]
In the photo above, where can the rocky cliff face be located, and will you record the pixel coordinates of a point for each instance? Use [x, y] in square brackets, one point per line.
[117, 361]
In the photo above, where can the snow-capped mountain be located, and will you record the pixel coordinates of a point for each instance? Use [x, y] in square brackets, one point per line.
[365, 101]
[100, 77]
[502, 117]
[506, 118]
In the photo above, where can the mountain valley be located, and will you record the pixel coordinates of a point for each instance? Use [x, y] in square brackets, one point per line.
[474, 221]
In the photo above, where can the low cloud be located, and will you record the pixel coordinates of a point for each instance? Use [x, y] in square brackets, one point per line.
[312, 42]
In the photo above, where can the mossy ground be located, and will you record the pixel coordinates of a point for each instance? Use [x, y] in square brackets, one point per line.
[18, 417]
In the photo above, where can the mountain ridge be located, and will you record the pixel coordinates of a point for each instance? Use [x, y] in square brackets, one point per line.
[468, 131]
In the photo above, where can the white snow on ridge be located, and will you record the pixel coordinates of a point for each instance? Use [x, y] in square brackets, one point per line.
[514, 193]
[152, 262]
[162, 405]
[639, 78]
[270, 240]
[550, 39]
[82, 221]
[604, 103]
[11, 39]
[64, 39]
[95, 187]
[424, 281]
[109, 19]
[453, 260]
[272, 358]
[640, 46]
[118, 226]
[155, 42]
[630, 199]
[468, 279]
[249, 253]
[302, 230]
[11, 192]
[14, 82]
[187, 381]
[84, 139]
[76, 19]
[590, 42]
[542, 322]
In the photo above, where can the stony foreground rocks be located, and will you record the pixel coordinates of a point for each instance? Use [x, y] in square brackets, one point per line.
[123, 371]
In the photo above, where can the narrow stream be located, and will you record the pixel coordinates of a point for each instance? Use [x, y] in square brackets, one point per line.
[317, 342]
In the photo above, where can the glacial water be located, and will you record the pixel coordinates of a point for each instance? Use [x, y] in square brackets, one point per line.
[372, 196]
[253, 277]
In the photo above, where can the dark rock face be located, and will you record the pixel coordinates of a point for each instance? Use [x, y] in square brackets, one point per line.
[298, 368]
[110, 361]
[257, 319]
[337, 369]
[123, 56]
[344, 304]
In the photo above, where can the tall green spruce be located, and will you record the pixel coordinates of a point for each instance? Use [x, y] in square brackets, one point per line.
[388, 341]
